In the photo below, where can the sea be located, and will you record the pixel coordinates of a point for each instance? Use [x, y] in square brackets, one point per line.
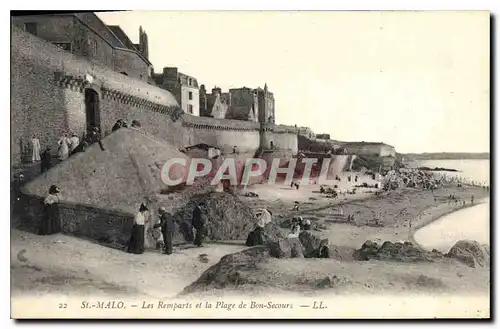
[471, 223]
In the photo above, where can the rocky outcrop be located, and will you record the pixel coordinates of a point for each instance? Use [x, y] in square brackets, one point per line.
[403, 252]
[227, 217]
[231, 271]
[470, 253]
[340, 253]
[286, 248]
[311, 243]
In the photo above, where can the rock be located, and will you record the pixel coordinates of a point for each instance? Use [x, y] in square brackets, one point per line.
[232, 270]
[341, 253]
[21, 257]
[273, 232]
[470, 253]
[227, 217]
[332, 281]
[285, 222]
[367, 251]
[326, 282]
[287, 248]
[311, 243]
[203, 258]
[321, 226]
[403, 252]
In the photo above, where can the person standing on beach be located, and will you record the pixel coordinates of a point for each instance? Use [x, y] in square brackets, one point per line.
[198, 223]
[472, 199]
[63, 150]
[74, 141]
[51, 223]
[136, 242]
[46, 160]
[35, 146]
[167, 225]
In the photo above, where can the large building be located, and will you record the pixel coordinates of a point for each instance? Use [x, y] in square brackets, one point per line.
[88, 37]
[370, 149]
[214, 105]
[183, 87]
[266, 105]
[247, 104]
[244, 104]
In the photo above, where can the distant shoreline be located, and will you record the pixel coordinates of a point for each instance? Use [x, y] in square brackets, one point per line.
[445, 156]
[437, 169]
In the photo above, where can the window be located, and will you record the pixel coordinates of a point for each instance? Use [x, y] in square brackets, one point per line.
[189, 82]
[31, 28]
[190, 95]
[190, 109]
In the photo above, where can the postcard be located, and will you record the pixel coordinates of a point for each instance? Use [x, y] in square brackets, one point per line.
[250, 165]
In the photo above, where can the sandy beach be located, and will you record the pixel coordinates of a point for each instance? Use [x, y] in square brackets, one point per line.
[58, 264]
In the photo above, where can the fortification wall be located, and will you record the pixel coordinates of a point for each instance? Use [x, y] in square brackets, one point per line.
[48, 99]
[315, 144]
[221, 133]
[48, 95]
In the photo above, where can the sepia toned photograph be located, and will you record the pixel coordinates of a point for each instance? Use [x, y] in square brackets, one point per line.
[250, 165]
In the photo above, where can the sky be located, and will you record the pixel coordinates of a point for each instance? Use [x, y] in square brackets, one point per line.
[416, 80]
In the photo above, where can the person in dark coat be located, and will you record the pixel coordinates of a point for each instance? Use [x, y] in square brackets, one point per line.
[15, 191]
[136, 243]
[198, 223]
[167, 225]
[51, 222]
[46, 160]
[95, 137]
[80, 148]
[117, 125]
[257, 237]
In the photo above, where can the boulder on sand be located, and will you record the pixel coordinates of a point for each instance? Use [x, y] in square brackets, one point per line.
[286, 248]
[367, 251]
[231, 271]
[403, 252]
[227, 217]
[273, 232]
[311, 243]
[471, 253]
[340, 253]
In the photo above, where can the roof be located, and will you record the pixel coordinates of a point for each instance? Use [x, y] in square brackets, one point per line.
[122, 36]
[366, 144]
[201, 146]
[112, 39]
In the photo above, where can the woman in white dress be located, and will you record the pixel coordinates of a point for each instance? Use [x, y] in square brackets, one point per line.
[63, 150]
[74, 141]
[35, 145]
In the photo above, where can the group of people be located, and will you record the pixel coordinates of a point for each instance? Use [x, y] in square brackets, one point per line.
[168, 226]
[299, 224]
[70, 143]
[66, 146]
[122, 123]
[453, 199]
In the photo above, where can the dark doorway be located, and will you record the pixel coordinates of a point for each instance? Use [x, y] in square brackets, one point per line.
[92, 109]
